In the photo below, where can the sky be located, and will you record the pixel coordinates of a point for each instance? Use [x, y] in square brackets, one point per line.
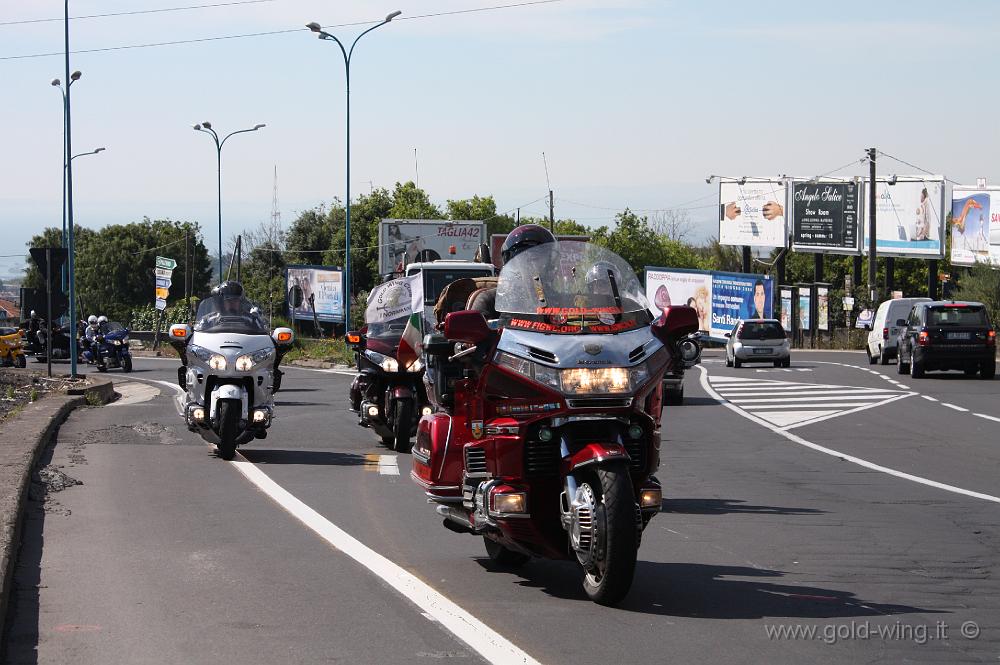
[633, 103]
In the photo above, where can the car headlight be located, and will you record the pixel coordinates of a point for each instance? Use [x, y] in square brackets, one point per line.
[578, 380]
[248, 361]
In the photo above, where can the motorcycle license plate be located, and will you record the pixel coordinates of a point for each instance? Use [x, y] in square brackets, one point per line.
[762, 351]
[957, 335]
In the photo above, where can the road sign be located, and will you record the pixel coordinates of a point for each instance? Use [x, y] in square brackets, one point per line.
[164, 272]
[848, 303]
[163, 282]
[161, 304]
[162, 293]
[165, 262]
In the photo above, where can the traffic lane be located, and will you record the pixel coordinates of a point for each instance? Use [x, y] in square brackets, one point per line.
[756, 532]
[909, 434]
[191, 564]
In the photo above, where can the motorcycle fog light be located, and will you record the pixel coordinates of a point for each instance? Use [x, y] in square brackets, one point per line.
[426, 411]
[510, 503]
[372, 411]
[545, 434]
[634, 431]
[651, 498]
[198, 414]
[259, 416]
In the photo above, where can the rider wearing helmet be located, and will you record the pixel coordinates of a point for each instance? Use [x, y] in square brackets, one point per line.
[90, 336]
[520, 239]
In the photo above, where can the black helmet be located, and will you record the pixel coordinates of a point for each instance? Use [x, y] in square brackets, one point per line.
[524, 237]
[229, 289]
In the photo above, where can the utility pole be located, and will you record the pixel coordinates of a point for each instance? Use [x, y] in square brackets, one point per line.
[187, 266]
[872, 265]
[552, 214]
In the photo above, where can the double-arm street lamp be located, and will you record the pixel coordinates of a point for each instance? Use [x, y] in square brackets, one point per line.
[208, 129]
[347, 53]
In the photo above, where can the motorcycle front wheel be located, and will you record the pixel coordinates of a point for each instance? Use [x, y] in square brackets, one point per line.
[401, 429]
[611, 576]
[229, 422]
[127, 363]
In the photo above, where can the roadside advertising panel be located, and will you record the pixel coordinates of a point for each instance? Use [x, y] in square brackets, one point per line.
[496, 243]
[786, 309]
[908, 219]
[822, 308]
[825, 217]
[975, 226]
[405, 241]
[720, 298]
[752, 213]
[804, 321]
[325, 284]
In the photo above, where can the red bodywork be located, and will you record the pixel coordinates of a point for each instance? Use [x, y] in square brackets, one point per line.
[495, 418]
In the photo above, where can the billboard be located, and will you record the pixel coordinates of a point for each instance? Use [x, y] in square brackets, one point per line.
[752, 213]
[325, 284]
[404, 241]
[822, 308]
[909, 219]
[786, 309]
[975, 226]
[720, 298]
[804, 298]
[825, 216]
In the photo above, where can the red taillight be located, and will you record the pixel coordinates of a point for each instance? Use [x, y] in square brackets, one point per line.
[991, 338]
[885, 333]
[924, 338]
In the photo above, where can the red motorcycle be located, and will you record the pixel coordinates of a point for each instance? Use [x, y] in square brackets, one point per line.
[547, 429]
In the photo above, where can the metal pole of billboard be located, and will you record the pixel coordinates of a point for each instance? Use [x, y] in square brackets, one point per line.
[315, 27]
[872, 256]
[746, 258]
[818, 267]
[890, 276]
[932, 279]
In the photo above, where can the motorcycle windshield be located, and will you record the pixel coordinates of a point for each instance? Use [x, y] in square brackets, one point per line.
[217, 314]
[112, 326]
[570, 288]
[392, 329]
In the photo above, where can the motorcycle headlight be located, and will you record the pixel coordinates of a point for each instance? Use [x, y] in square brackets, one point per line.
[389, 364]
[217, 362]
[578, 380]
[416, 366]
[117, 342]
[248, 361]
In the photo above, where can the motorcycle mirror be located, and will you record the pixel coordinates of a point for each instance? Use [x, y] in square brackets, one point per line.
[675, 322]
[180, 331]
[355, 338]
[283, 336]
[466, 326]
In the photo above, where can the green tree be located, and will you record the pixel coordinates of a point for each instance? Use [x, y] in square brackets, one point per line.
[635, 240]
[982, 284]
[411, 202]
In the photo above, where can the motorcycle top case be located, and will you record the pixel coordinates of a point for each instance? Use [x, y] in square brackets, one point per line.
[437, 455]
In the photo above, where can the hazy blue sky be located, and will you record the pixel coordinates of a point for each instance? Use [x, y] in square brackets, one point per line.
[634, 103]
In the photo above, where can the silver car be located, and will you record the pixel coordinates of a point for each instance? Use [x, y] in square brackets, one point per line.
[758, 341]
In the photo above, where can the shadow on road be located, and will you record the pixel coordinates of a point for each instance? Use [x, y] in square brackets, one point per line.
[705, 591]
[306, 457]
[298, 390]
[727, 506]
[292, 403]
[698, 401]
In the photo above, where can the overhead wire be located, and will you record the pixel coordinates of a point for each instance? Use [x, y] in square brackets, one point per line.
[275, 32]
[135, 12]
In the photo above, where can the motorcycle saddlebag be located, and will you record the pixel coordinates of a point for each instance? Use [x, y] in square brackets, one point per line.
[437, 456]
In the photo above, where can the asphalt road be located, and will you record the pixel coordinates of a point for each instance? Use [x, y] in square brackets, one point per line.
[834, 512]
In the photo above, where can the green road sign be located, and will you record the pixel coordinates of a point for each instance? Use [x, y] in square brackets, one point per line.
[164, 262]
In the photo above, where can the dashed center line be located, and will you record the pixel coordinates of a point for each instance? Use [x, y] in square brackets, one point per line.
[983, 415]
[929, 398]
[954, 406]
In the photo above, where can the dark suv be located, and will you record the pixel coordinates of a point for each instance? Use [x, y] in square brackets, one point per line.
[947, 335]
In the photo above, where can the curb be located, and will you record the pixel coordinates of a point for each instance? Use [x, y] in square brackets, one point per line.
[22, 441]
[100, 386]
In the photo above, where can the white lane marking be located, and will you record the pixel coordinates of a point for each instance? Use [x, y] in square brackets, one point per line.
[492, 646]
[829, 451]
[954, 406]
[929, 398]
[387, 465]
[983, 415]
[902, 386]
[488, 643]
[133, 393]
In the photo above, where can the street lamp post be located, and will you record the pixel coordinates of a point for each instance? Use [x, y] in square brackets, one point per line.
[347, 53]
[71, 244]
[208, 129]
[75, 76]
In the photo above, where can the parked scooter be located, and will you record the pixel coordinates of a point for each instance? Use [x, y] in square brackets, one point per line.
[227, 369]
[109, 349]
[548, 429]
[388, 397]
[11, 348]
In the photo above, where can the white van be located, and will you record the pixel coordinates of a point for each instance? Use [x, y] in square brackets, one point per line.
[882, 335]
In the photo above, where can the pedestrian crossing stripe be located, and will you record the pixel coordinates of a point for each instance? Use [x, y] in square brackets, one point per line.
[789, 404]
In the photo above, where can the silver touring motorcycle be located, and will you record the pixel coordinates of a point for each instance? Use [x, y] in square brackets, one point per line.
[229, 369]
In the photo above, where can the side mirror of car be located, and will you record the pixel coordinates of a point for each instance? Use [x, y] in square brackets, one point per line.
[900, 323]
[283, 336]
[467, 326]
[356, 339]
[675, 322]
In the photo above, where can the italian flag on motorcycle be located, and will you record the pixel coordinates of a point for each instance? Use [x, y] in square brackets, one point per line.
[395, 299]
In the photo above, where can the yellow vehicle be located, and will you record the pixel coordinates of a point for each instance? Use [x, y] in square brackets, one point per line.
[11, 351]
